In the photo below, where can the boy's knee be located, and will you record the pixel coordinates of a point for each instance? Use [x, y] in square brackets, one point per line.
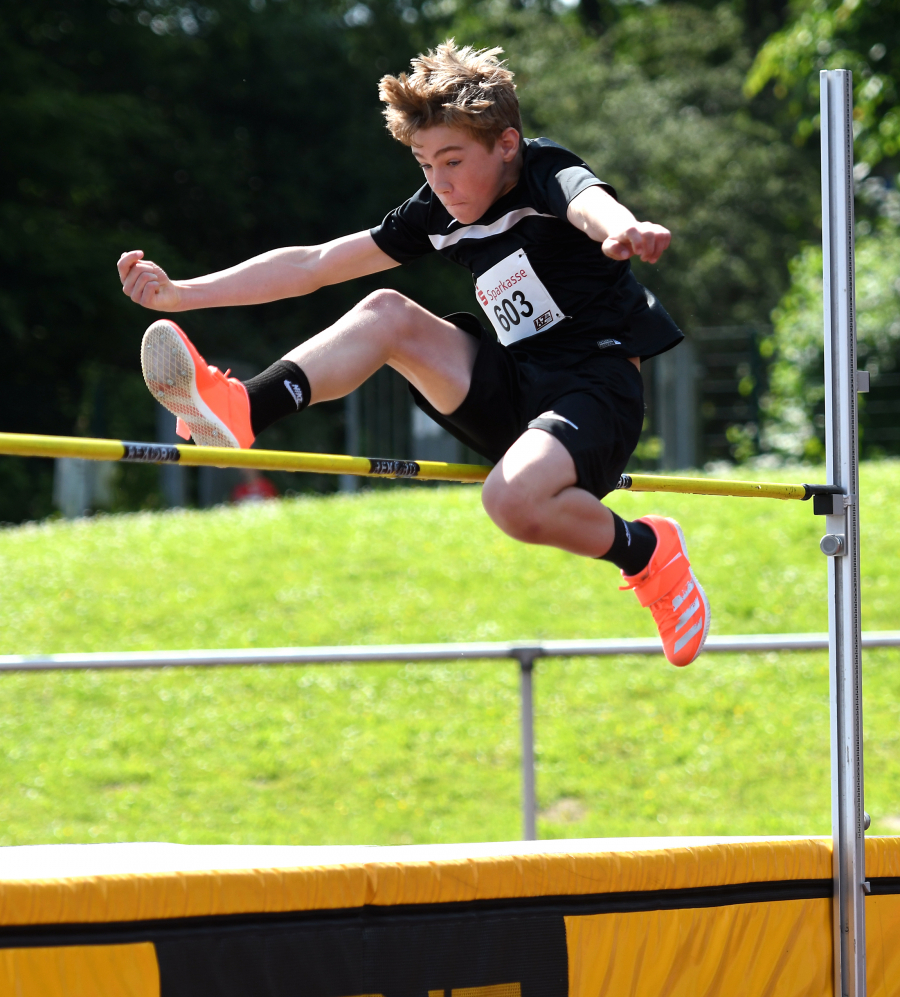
[387, 304]
[393, 314]
[512, 510]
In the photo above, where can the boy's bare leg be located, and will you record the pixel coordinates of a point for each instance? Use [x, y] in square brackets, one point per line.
[388, 328]
[385, 328]
[532, 496]
[531, 493]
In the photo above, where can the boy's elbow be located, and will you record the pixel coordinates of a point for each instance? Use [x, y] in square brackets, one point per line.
[306, 269]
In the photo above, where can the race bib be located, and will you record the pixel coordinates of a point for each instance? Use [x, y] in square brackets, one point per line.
[515, 300]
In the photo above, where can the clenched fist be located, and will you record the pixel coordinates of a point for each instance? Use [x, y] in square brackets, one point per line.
[643, 239]
[146, 283]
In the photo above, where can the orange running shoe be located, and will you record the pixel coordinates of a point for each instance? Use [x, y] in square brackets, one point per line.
[211, 407]
[669, 587]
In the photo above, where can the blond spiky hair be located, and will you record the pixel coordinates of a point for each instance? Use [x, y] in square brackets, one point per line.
[461, 87]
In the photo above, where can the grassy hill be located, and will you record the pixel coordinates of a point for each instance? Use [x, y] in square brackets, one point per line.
[388, 754]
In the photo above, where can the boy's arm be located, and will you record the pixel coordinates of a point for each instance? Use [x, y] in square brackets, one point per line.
[280, 273]
[600, 216]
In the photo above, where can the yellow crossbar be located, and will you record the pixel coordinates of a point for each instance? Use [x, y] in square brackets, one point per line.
[27, 445]
[713, 486]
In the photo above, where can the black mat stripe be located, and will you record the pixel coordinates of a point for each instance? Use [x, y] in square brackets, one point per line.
[885, 886]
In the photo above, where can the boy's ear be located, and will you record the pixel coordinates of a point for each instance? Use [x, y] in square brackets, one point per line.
[509, 141]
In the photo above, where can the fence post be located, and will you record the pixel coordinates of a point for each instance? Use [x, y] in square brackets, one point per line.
[842, 535]
[526, 656]
[349, 482]
[172, 478]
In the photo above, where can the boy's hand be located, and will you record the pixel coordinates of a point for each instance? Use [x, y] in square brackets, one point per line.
[643, 239]
[146, 283]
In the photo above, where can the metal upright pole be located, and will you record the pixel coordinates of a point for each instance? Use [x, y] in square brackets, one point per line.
[842, 537]
[529, 801]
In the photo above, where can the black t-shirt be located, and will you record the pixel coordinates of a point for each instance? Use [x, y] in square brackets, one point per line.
[547, 288]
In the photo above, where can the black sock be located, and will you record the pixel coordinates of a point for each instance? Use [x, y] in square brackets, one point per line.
[278, 391]
[632, 548]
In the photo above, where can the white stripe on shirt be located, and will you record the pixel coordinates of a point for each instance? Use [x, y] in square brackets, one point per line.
[503, 224]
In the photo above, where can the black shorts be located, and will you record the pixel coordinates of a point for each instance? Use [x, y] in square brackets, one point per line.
[595, 408]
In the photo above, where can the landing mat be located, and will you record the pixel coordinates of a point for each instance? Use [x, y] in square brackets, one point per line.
[665, 916]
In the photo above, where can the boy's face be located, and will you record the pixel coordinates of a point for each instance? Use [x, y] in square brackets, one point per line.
[466, 177]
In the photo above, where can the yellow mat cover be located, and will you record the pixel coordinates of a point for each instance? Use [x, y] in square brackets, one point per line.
[195, 893]
[777, 947]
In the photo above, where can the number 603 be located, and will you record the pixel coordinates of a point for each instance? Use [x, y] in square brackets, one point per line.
[508, 314]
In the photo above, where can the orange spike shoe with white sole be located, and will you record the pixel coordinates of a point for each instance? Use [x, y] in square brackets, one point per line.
[211, 407]
[669, 587]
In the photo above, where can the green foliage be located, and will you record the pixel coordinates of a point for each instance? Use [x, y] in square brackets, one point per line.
[758, 17]
[203, 135]
[860, 35]
[207, 133]
[795, 404]
[863, 36]
[389, 754]
[655, 105]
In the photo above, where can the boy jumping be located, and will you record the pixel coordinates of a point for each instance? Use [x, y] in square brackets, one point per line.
[555, 401]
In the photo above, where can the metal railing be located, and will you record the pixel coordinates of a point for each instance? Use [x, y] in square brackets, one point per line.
[525, 652]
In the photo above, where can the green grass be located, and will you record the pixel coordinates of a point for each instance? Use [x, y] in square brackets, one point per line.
[390, 754]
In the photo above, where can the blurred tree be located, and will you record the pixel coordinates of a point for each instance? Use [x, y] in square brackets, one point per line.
[653, 100]
[203, 135]
[655, 106]
[794, 406]
[206, 133]
[760, 18]
[863, 36]
[860, 35]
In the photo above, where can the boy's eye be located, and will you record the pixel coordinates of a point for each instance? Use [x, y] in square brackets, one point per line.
[453, 162]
